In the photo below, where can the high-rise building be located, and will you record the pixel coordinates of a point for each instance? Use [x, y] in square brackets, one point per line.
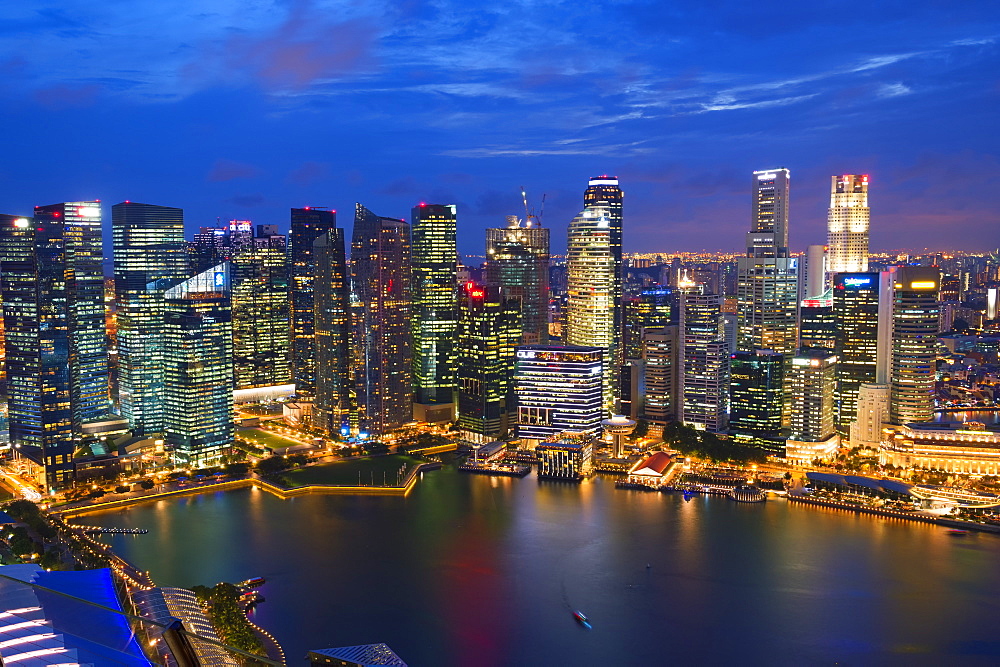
[558, 388]
[434, 310]
[661, 365]
[198, 367]
[856, 299]
[650, 308]
[813, 272]
[334, 383]
[489, 330]
[380, 285]
[593, 316]
[817, 327]
[260, 311]
[149, 256]
[704, 376]
[873, 414]
[847, 224]
[812, 379]
[56, 346]
[912, 367]
[756, 399]
[517, 258]
[307, 225]
[767, 281]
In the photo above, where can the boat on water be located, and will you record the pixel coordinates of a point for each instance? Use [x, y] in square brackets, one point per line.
[581, 619]
[688, 495]
[957, 531]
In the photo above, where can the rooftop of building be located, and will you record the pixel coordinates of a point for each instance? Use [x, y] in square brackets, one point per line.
[655, 463]
[365, 654]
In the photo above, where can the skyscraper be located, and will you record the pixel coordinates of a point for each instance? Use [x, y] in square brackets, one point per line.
[434, 315]
[661, 360]
[307, 224]
[149, 254]
[489, 329]
[593, 316]
[767, 280]
[856, 298]
[847, 224]
[914, 341]
[334, 384]
[380, 284]
[873, 413]
[198, 367]
[704, 377]
[558, 388]
[811, 380]
[517, 258]
[756, 399]
[260, 309]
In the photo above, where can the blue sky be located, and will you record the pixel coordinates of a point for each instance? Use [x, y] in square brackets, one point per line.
[245, 109]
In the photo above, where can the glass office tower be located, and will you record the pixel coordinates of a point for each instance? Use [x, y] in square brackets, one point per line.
[334, 385]
[307, 225]
[517, 258]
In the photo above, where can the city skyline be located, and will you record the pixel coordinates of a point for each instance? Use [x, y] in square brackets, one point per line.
[678, 123]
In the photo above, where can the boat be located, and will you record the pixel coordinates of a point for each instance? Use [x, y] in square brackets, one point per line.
[957, 531]
[688, 495]
[581, 619]
[747, 494]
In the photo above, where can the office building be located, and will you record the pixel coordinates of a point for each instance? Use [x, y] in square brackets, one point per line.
[704, 376]
[813, 281]
[488, 332]
[331, 287]
[650, 308]
[661, 374]
[198, 367]
[593, 316]
[260, 311]
[149, 256]
[380, 285]
[307, 225]
[912, 365]
[811, 383]
[767, 281]
[847, 224]
[558, 388]
[517, 258]
[756, 399]
[872, 416]
[55, 336]
[434, 311]
[856, 299]
[817, 326]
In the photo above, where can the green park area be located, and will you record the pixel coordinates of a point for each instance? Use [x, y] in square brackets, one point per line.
[387, 470]
[262, 438]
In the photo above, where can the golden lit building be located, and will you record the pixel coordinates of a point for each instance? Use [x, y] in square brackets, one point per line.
[953, 447]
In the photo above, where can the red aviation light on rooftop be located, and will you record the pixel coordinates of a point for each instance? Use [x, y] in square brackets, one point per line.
[308, 208]
[864, 178]
[422, 204]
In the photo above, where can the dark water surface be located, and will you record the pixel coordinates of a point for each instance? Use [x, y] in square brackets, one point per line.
[471, 570]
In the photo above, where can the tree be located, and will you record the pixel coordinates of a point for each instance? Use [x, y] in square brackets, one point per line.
[272, 465]
[641, 429]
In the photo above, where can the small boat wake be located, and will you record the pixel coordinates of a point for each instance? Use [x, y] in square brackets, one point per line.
[578, 615]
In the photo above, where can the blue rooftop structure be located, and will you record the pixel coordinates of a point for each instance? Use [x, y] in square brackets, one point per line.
[42, 627]
[365, 655]
[880, 485]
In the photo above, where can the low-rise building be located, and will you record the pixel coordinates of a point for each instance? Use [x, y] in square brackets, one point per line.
[954, 447]
[569, 458]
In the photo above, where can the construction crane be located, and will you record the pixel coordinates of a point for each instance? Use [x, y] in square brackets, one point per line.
[529, 215]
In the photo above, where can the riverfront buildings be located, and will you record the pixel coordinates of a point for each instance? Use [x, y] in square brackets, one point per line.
[558, 388]
[856, 298]
[517, 258]
[488, 332]
[568, 458]
[149, 256]
[953, 447]
[198, 367]
[380, 285]
[307, 225]
[915, 315]
[704, 376]
[811, 382]
[756, 399]
[660, 374]
[434, 313]
[847, 224]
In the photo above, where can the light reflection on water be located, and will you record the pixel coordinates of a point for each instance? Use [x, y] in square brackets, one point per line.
[473, 570]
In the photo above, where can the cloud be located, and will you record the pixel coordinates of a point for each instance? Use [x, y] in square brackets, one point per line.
[248, 201]
[67, 95]
[230, 170]
[893, 90]
[309, 173]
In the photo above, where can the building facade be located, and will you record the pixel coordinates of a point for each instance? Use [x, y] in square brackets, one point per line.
[856, 310]
[517, 259]
[811, 383]
[434, 314]
[704, 376]
[872, 416]
[756, 400]
[915, 314]
[558, 388]
[848, 221]
[334, 383]
[661, 359]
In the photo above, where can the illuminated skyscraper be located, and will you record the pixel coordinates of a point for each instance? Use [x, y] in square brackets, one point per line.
[149, 255]
[756, 399]
[856, 299]
[558, 388]
[489, 330]
[334, 384]
[649, 308]
[704, 377]
[660, 393]
[198, 367]
[260, 302]
[915, 313]
[811, 380]
[434, 314]
[593, 316]
[767, 280]
[517, 258]
[307, 225]
[380, 285]
[847, 224]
